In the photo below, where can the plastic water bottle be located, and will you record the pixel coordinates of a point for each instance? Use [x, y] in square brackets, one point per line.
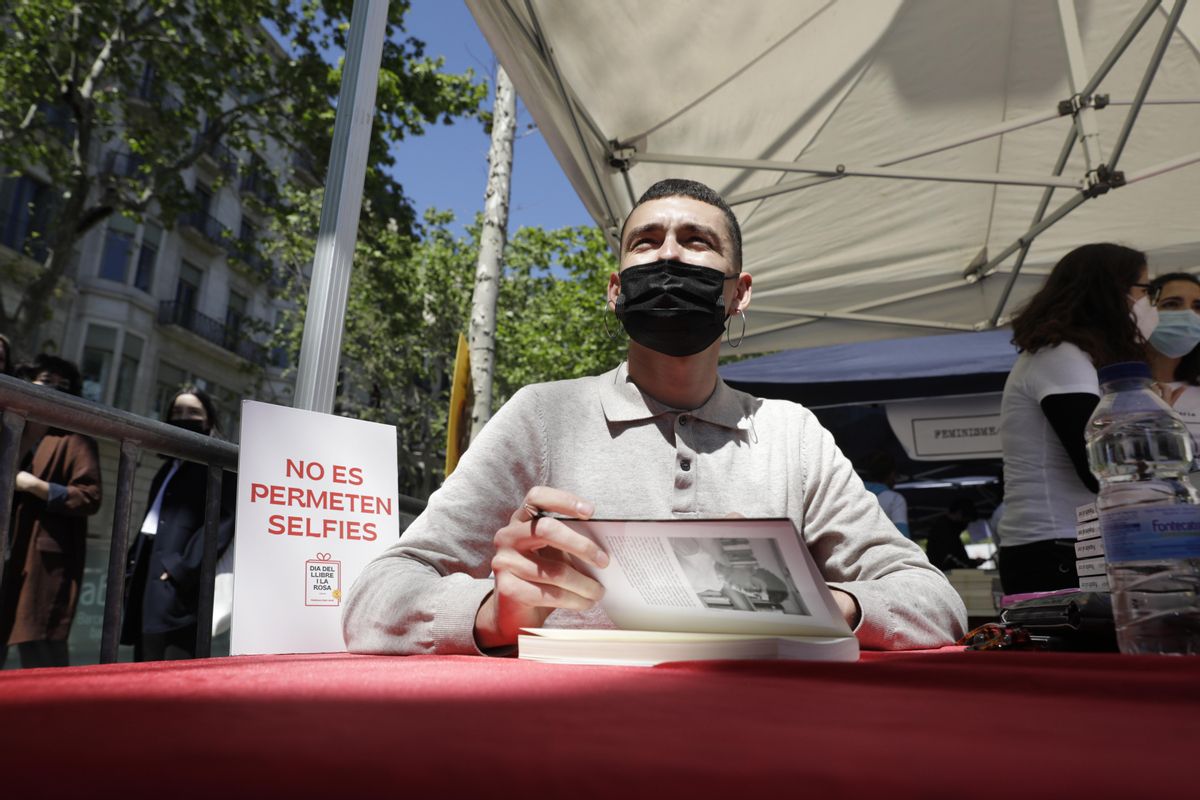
[1141, 452]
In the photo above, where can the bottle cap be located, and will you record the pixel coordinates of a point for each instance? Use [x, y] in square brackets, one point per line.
[1124, 370]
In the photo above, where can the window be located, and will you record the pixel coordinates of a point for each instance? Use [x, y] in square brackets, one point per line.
[235, 313]
[118, 247]
[143, 277]
[169, 380]
[24, 213]
[187, 291]
[280, 357]
[229, 408]
[131, 357]
[248, 235]
[99, 350]
[204, 194]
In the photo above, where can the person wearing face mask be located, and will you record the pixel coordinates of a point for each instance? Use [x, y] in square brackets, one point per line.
[162, 592]
[1092, 310]
[659, 437]
[1174, 351]
[57, 488]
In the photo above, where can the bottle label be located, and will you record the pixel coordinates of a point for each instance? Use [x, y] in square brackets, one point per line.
[1151, 533]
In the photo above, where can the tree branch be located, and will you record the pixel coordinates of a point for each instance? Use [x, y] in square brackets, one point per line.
[54, 74]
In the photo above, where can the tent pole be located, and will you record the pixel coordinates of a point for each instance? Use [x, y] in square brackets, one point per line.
[1024, 243]
[841, 170]
[1059, 165]
[1085, 115]
[534, 45]
[1166, 166]
[1160, 50]
[1119, 48]
[316, 374]
[903, 322]
[914, 294]
[572, 111]
[947, 144]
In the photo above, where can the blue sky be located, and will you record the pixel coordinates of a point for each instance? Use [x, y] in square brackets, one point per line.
[447, 167]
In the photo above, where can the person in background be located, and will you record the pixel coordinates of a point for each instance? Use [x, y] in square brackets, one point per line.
[162, 579]
[57, 488]
[1092, 310]
[1173, 353]
[879, 473]
[945, 547]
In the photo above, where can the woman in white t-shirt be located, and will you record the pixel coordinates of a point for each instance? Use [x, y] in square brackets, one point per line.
[1173, 353]
[1093, 310]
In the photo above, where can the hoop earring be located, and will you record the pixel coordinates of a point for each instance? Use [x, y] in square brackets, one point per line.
[742, 335]
[604, 319]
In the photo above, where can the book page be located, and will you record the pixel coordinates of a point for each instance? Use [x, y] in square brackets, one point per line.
[742, 576]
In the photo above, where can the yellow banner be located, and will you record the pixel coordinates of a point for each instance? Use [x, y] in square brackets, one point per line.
[458, 431]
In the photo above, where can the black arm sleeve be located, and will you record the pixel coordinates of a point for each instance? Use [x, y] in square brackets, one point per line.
[1068, 415]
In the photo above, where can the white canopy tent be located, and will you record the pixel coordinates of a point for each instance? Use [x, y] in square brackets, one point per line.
[885, 157]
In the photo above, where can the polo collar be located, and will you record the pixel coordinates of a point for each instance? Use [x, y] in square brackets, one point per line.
[623, 401]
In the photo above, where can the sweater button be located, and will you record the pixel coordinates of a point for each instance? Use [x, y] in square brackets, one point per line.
[685, 465]
[683, 419]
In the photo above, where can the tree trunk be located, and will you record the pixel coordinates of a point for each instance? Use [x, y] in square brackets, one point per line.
[482, 333]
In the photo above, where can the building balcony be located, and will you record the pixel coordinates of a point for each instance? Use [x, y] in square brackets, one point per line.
[248, 253]
[220, 156]
[150, 92]
[258, 184]
[206, 227]
[125, 165]
[231, 338]
[305, 166]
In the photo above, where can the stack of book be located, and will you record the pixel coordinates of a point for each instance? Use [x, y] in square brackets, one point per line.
[974, 586]
[1089, 550]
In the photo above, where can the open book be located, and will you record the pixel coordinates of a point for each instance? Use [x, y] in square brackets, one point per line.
[681, 590]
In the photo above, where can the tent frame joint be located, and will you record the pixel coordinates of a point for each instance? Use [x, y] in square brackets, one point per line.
[621, 156]
[1101, 179]
[1073, 104]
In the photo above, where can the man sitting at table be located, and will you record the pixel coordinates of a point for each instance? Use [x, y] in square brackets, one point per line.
[659, 437]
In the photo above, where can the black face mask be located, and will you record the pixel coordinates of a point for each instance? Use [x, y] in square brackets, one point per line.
[193, 425]
[673, 308]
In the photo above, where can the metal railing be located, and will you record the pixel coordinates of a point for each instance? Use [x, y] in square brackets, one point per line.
[257, 183]
[208, 226]
[246, 250]
[171, 312]
[22, 402]
[26, 402]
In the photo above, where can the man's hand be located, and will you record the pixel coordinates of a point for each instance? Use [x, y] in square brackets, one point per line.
[533, 574]
[28, 482]
[848, 606]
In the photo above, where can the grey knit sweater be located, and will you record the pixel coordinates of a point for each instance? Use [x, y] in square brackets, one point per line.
[604, 440]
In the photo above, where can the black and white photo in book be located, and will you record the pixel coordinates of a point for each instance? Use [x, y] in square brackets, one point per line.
[738, 574]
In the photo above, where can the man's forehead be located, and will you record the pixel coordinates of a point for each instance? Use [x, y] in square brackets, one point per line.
[677, 211]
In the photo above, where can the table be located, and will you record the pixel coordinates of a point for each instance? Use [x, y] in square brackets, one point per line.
[942, 724]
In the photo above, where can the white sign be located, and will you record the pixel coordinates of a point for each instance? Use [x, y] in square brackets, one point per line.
[948, 428]
[316, 502]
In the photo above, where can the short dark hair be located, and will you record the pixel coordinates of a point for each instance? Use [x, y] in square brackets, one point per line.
[879, 466]
[210, 406]
[682, 187]
[1083, 301]
[44, 362]
[1188, 368]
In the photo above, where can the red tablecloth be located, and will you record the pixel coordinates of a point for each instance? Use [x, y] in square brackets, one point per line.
[331, 726]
